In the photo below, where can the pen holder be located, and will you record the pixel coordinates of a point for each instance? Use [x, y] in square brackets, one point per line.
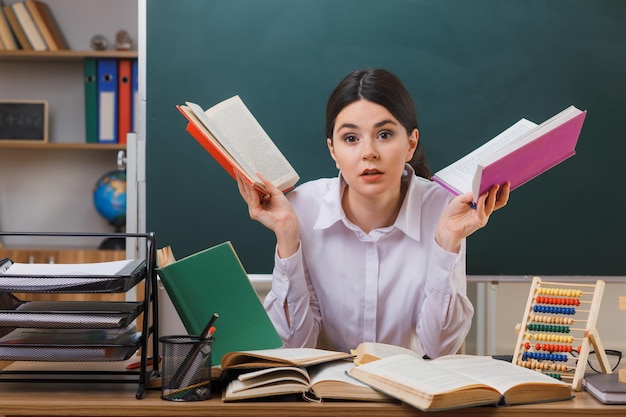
[186, 372]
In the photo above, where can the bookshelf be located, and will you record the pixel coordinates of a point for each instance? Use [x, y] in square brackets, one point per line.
[21, 55]
[49, 186]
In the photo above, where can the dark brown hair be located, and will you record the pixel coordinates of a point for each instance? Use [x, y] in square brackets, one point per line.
[384, 88]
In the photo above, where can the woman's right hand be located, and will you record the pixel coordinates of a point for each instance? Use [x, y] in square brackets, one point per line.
[273, 211]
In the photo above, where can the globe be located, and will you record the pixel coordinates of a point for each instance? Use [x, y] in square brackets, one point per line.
[109, 197]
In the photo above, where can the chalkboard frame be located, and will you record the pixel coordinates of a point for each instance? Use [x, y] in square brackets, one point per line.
[36, 110]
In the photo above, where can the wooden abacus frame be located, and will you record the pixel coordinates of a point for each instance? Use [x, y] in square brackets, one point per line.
[563, 293]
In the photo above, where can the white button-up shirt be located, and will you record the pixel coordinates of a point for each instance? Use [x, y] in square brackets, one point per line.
[345, 286]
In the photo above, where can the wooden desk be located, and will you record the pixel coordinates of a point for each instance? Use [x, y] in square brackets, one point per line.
[91, 400]
[119, 400]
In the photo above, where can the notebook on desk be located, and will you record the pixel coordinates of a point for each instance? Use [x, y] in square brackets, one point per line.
[214, 281]
[605, 388]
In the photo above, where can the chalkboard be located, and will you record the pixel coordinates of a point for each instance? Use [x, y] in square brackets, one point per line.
[474, 67]
[24, 120]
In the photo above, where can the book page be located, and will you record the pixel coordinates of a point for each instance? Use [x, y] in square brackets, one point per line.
[214, 132]
[333, 371]
[271, 376]
[460, 174]
[296, 356]
[370, 351]
[496, 373]
[243, 136]
[416, 373]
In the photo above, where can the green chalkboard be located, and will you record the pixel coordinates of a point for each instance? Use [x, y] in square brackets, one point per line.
[474, 67]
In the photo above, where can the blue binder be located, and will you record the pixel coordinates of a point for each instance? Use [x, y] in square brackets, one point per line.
[107, 100]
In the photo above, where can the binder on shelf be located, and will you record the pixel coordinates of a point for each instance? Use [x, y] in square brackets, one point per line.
[214, 281]
[29, 26]
[135, 88]
[5, 33]
[37, 17]
[90, 71]
[16, 27]
[124, 94]
[107, 100]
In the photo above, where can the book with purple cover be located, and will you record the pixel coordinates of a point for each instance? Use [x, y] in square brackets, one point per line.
[519, 154]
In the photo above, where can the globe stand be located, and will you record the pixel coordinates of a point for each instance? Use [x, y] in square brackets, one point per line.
[114, 243]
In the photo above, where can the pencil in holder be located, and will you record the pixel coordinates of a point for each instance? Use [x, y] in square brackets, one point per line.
[186, 374]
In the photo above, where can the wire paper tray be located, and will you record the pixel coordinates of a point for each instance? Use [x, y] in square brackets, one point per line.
[67, 314]
[55, 351]
[133, 272]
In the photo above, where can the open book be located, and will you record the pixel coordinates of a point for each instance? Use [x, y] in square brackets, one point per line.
[322, 381]
[457, 381]
[271, 358]
[519, 154]
[367, 352]
[236, 140]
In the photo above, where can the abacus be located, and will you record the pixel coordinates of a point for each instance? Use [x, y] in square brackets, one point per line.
[560, 318]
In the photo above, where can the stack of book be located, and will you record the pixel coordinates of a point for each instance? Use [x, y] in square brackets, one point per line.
[30, 25]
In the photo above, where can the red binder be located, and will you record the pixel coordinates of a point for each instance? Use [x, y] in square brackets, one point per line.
[124, 96]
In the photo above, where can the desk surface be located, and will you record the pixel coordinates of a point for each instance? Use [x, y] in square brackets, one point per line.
[119, 400]
[22, 399]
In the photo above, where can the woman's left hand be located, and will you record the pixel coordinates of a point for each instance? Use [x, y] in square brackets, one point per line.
[460, 218]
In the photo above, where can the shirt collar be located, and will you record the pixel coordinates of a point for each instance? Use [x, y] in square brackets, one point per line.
[409, 217]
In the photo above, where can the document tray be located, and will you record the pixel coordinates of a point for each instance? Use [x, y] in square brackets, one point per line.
[70, 314]
[18, 346]
[121, 281]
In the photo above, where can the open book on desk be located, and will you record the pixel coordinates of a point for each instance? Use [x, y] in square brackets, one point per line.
[519, 154]
[272, 358]
[367, 352]
[230, 133]
[316, 382]
[458, 381]
[315, 373]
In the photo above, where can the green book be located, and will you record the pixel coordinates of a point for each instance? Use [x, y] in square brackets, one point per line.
[91, 100]
[214, 281]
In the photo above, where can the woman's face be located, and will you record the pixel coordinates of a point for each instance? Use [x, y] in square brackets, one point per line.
[371, 147]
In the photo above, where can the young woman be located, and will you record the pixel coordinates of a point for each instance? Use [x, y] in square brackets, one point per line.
[377, 253]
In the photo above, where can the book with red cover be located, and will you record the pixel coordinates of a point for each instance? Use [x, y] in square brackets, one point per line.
[242, 147]
[517, 155]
